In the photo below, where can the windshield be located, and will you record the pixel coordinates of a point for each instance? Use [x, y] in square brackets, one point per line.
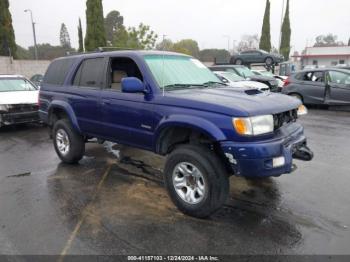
[15, 84]
[244, 71]
[232, 76]
[266, 73]
[175, 71]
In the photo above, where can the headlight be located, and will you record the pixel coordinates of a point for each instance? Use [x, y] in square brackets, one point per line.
[252, 126]
[302, 110]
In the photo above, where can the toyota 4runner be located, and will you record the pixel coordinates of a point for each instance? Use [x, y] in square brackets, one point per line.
[173, 105]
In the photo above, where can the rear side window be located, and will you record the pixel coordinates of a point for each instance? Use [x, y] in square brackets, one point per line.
[57, 71]
[314, 77]
[90, 73]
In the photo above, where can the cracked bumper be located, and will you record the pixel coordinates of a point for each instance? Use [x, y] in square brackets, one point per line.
[255, 159]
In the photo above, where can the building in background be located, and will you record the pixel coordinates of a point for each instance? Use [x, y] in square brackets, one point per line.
[324, 56]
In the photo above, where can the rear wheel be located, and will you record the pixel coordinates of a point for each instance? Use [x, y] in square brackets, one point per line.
[269, 61]
[196, 180]
[69, 145]
[297, 96]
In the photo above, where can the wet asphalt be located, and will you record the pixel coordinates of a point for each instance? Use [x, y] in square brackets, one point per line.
[114, 201]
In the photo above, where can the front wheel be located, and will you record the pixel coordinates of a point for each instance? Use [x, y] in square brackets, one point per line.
[69, 145]
[269, 61]
[196, 180]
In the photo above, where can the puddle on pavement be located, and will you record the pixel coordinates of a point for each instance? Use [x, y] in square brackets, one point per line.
[133, 198]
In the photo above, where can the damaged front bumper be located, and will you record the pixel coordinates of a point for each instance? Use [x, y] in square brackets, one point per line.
[271, 157]
[19, 114]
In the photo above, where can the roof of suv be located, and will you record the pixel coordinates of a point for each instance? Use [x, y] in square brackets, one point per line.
[123, 52]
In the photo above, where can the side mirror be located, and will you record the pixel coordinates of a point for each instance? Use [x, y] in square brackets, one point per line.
[132, 85]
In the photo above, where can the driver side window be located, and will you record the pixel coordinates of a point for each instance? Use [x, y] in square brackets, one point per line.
[119, 68]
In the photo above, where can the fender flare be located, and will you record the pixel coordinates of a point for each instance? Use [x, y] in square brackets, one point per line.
[193, 122]
[67, 109]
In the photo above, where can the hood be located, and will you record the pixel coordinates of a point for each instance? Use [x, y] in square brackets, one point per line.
[261, 78]
[19, 97]
[231, 101]
[250, 84]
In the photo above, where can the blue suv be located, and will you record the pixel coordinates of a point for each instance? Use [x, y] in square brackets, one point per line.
[173, 105]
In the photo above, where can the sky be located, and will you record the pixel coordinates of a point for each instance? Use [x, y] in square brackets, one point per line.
[206, 21]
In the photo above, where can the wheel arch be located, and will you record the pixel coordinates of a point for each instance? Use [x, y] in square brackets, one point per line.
[61, 109]
[179, 128]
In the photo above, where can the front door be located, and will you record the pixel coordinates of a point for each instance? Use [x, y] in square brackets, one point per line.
[128, 118]
[339, 88]
[313, 87]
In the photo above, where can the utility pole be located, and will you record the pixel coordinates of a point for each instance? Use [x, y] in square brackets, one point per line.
[228, 42]
[34, 36]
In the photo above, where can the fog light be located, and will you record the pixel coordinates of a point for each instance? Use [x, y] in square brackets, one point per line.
[278, 161]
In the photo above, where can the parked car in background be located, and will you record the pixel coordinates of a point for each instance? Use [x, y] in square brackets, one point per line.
[256, 57]
[320, 86]
[173, 105]
[343, 66]
[239, 82]
[280, 79]
[18, 100]
[247, 74]
[37, 79]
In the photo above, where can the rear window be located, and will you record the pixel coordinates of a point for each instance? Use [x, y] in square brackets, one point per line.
[57, 71]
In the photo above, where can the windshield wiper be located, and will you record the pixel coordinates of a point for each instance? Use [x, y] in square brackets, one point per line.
[211, 83]
[182, 85]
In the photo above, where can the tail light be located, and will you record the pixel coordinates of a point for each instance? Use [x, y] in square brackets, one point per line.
[286, 82]
[39, 99]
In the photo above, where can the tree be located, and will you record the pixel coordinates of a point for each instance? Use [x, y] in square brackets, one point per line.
[165, 45]
[141, 37]
[23, 53]
[95, 30]
[49, 52]
[211, 55]
[113, 23]
[80, 36]
[64, 37]
[286, 33]
[187, 46]
[7, 35]
[265, 40]
[327, 40]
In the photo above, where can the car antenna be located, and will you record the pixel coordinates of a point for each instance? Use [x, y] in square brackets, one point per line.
[163, 58]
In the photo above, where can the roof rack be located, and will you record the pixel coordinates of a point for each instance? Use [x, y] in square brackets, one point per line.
[101, 49]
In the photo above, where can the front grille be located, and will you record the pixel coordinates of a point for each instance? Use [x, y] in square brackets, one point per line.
[284, 118]
[21, 108]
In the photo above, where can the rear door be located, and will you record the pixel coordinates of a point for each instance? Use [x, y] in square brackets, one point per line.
[312, 86]
[86, 92]
[339, 88]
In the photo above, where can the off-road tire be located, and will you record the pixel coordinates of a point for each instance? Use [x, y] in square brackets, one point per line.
[76, 142]
[213, 171]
